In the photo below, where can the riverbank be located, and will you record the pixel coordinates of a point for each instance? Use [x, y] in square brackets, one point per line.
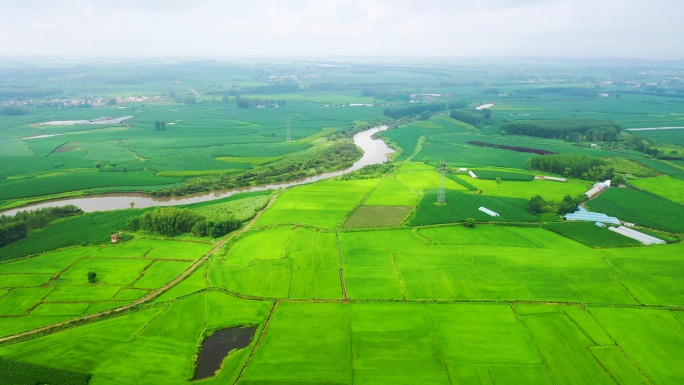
[375, 151]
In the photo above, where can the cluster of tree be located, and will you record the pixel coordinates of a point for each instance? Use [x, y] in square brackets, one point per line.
[639, 143]
[598, 134]
[340, 155]
[256, 102]
[538, 205]
[370, 172]
[417, 108]
[474, 117]
[12, 232]
[215, 228]
[186, 100]
[92, 277]
[572, 166]
[14, 110]
[14, 228]
[276, 88]
[160, 125]
[564, 128]
[386, 94]
[569, 91]
[166, 221]
[270, 89]
[174, 221]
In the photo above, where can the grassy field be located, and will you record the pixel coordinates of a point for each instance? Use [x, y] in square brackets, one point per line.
[377, 216]
[664, 186]
[591, 235]
[323, 204]
[460, 206]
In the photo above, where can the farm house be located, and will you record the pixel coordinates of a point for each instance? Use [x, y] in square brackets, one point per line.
[597, 189]
[472, 175]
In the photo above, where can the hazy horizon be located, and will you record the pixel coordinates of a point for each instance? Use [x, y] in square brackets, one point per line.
[295, 28]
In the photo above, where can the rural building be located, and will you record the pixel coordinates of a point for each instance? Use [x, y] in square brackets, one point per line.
[488, 212]
[641, 237]
[551, 178]
[115, 238]
[472, 175]
[462, 169]
[597, 189]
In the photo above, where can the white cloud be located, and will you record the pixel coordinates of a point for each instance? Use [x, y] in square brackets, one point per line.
[344, 27]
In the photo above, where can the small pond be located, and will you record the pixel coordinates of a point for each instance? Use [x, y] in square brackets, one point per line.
[217, 346]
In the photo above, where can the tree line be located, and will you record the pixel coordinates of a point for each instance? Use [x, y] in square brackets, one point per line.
[175, 221]
[14, 228]
[417, 108]
[473, 117]
[538, 205]
[572, 166]
[571, 129]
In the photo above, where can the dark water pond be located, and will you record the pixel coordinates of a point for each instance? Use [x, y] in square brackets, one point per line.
[217, 347]
[375, 151]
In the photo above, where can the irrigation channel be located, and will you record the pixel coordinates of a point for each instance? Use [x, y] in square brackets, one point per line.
[375, 151]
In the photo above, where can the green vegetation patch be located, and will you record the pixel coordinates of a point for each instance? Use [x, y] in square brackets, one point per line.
[323, 204]
[60, 183]
[377, 216]
[654, 350]
[591, 235]
[24, 373]
[161, 272]
[113, 272]
[90, 228]
[240, 209]
[480, 235]
[460, 206]
[651, 274]
[664, 186]
[392, 192]
[424, 179]
[300, 263]
[20, 300]
[641, 208]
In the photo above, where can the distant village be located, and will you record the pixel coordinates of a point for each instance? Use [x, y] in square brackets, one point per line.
[79, 102]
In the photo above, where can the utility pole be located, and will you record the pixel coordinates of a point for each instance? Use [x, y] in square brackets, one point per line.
[289, 131]
[441, 196]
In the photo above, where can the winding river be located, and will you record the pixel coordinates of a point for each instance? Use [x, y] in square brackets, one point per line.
[375, 151]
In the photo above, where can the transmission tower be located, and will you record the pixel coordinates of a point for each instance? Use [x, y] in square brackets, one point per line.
[289, 131]
[441, 196]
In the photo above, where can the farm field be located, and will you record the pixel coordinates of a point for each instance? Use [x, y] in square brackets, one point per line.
[54, 286]
[361, 279]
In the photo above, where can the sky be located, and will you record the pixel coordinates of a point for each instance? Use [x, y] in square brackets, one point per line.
[224, 28]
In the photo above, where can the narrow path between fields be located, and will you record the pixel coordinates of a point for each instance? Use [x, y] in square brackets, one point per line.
[152, 295]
